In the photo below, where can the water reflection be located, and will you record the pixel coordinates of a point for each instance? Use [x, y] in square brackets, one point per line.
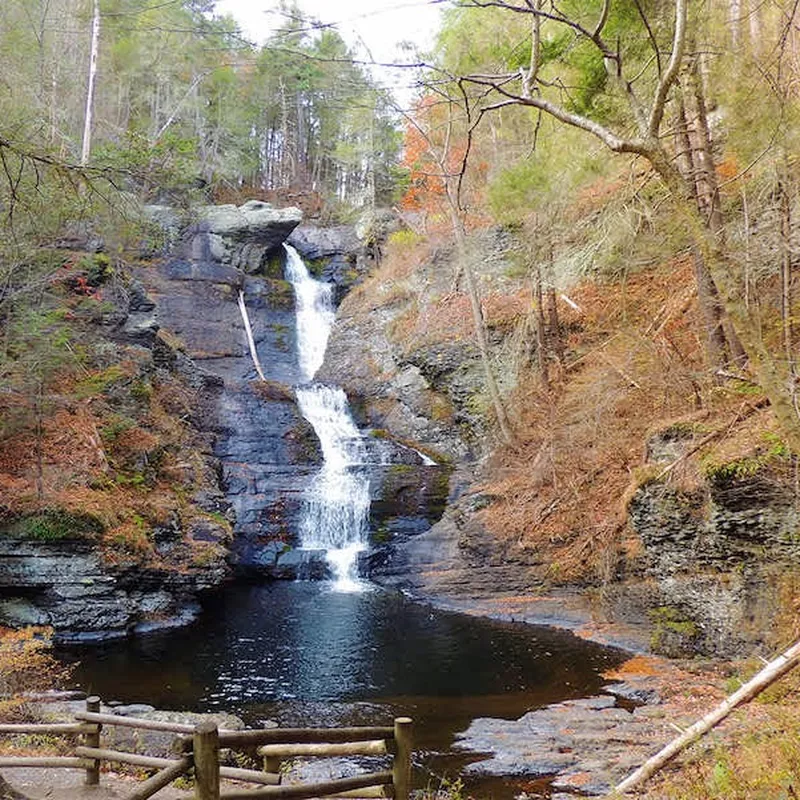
[301, 654]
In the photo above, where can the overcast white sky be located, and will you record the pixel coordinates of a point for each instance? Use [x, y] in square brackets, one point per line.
[381, 25]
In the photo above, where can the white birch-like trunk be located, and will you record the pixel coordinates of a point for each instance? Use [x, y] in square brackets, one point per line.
[87, 117]
[250, 340]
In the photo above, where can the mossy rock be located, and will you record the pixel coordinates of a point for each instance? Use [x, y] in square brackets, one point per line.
[274, 266]
[316, 267]
[281, 295]
[674, 634]
[273, 391]
[54, 525]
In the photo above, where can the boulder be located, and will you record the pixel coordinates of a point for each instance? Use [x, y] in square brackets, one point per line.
[241, 236]
[315, 243]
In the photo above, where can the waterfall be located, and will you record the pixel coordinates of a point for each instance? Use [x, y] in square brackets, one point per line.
[335, 507]
[315, 313]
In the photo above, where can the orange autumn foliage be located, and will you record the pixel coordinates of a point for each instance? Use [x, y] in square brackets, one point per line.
[26, 665]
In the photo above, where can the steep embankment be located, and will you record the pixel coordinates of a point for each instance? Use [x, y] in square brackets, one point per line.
[636, 491]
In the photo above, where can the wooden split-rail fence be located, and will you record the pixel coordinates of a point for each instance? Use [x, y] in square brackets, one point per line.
[197, 749]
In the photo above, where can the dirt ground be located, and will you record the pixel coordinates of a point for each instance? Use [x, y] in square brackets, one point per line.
[68, 784]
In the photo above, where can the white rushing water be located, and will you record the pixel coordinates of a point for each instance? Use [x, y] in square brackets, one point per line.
[314, 310]
[335, 506]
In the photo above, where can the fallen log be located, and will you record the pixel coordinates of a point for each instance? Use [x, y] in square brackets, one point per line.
[772, 672]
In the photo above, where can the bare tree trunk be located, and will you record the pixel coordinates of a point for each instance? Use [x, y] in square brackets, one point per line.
[754, 19]
[683, 147]
[695, 178]
[554, 333]
[554, 325]
[479, 324]
[87, 117]
[38, 407]
[786, 274]
[735, 22]
[541, 336]
[725, 335]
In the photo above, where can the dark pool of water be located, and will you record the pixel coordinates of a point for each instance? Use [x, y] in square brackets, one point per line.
[300, 653]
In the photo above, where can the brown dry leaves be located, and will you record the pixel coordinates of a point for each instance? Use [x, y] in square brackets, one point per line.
[559, 488]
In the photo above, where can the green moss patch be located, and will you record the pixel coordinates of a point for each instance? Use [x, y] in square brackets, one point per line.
[54, 524]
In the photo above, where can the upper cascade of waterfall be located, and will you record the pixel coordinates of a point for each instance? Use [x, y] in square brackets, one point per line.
[314, 310]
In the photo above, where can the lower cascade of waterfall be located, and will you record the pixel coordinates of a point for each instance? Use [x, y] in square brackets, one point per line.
[335, 507]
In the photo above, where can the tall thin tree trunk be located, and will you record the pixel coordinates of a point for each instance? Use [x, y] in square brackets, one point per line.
[786, 274]
[683, 147]
[38, 409]
[723, 334]
[735, 22]
[87, 117]
[553, 323]
[479, 324]
[754, 19]
[541, 336]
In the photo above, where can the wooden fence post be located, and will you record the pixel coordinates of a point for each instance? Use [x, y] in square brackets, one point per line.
[272, 764]
[206, 761]
[401, 767]
[93, 740]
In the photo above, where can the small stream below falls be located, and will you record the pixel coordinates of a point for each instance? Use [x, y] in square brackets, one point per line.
[302, 654]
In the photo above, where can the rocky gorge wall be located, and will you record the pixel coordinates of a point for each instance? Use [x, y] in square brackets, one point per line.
[708, 570]
[180, 313]
[708, 567]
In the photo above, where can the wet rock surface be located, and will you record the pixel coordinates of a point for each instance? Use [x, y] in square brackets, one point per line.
[457, 557]
[266, 449]
[587, 746]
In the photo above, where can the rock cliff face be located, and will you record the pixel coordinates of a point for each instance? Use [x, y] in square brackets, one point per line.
[265, 448]
[68, 586]
[718, 562]
[110, 571]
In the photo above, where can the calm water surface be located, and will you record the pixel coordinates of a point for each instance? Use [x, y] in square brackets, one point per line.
[301, 654]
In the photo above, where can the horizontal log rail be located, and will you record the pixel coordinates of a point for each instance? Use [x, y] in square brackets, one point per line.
[137, 722]
[302, 736]
[61, 728]
[122, 757]
[67, 762]
[372, 747]
[250, 775]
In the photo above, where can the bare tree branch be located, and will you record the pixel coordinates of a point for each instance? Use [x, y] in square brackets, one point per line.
[670, 74]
